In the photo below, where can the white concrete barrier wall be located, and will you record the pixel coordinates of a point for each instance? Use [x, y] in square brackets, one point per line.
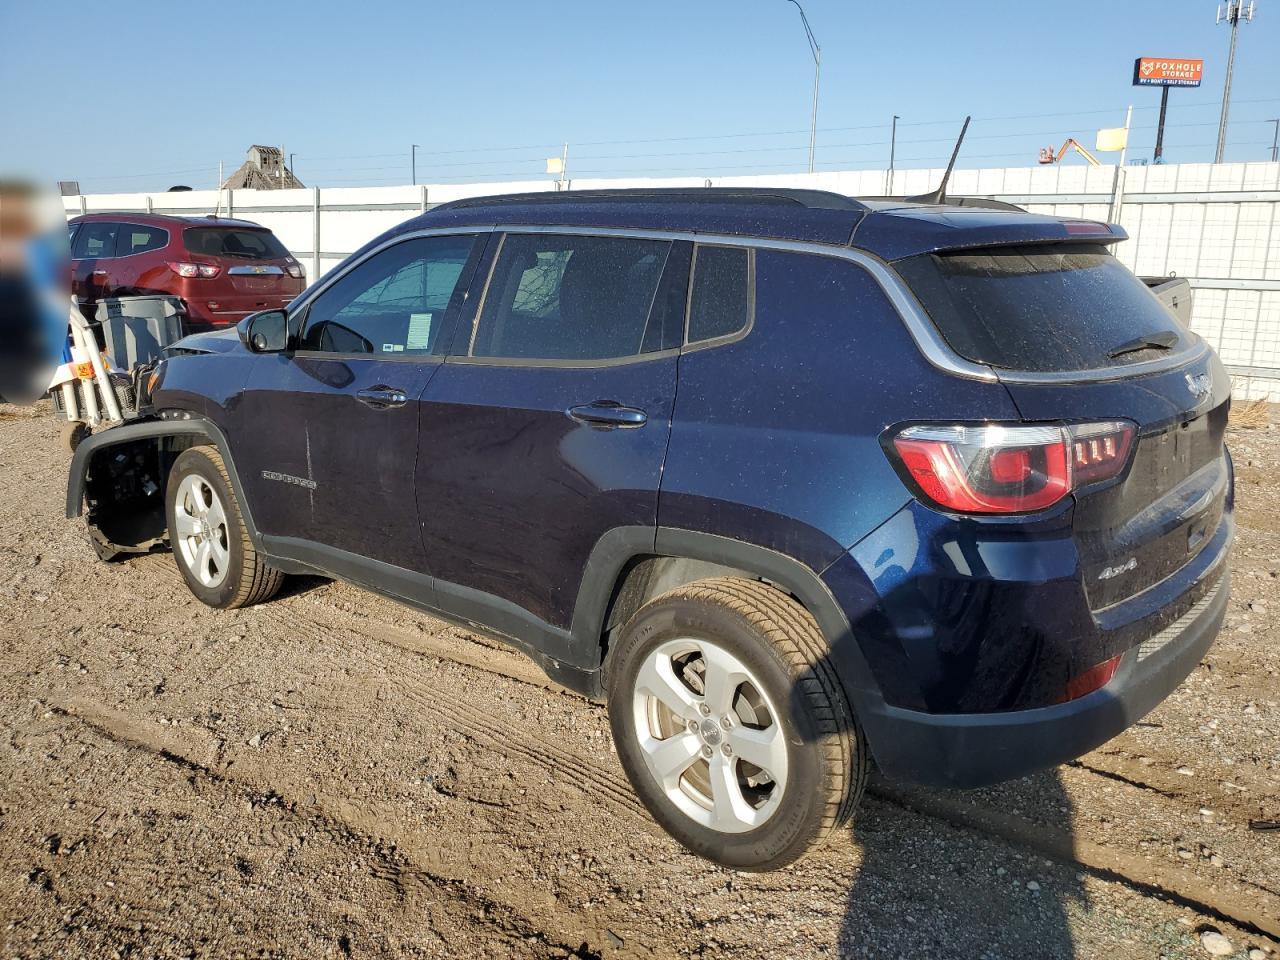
[1216, 224]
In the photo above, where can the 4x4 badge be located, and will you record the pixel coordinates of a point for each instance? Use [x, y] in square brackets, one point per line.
[1199, 384]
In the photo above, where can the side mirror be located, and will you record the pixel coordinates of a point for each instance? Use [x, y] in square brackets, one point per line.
[265, 332]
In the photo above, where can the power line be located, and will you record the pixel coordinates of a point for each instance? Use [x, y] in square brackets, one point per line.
[709, 138]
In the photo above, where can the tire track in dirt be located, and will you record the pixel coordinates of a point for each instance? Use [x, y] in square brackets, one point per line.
[333, 820]
[611, 790]
[1261, 914]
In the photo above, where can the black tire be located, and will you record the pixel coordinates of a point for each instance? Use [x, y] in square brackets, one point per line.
[73, 433]
[782, 647]
[246, 578]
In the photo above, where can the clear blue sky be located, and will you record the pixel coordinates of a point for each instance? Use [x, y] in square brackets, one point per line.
[138, 96]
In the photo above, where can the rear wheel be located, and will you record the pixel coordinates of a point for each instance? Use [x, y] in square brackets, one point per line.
[731, 724]
[210, 541]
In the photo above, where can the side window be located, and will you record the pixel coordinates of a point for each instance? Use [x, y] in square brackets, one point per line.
[570, 298]
[134, 238]
[96, 240]
[394, 303]
[721, 301]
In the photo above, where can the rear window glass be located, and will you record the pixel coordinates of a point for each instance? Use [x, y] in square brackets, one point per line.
[570, 298]
[1042, 308]
[225, 242]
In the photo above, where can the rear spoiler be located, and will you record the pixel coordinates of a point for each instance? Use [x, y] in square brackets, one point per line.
[984, 202]
[894, 233]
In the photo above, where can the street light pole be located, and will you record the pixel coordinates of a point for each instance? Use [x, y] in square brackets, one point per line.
[817, 79]
[413, 164]
[1234, 13]
[893, 148]
[1275, 142]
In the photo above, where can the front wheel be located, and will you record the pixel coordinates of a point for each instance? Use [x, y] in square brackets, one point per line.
[731, 724]
[210, 541]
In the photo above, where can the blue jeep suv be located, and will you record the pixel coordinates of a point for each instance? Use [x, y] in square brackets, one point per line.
[795, 482]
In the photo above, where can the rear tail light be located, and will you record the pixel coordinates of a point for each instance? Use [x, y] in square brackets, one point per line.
[297, 271]
[994, 468]
[206, 271]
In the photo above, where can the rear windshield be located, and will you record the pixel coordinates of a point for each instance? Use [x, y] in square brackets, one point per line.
[230, 242]
[1041, 308]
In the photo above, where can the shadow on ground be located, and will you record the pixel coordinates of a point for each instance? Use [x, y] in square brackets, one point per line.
[926, 888]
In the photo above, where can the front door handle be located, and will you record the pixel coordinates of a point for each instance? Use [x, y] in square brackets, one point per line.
[608, 413]
[382, 397]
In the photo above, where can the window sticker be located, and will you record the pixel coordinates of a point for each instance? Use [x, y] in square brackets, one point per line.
[419, 337]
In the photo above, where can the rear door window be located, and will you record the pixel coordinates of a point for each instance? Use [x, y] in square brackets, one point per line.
[230, 242]
[1057, 307]
[96, 240]
[571, 298]
[135, 238]
[720, 303]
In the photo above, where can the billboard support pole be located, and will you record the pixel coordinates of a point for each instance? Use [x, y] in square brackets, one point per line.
[1164, 105]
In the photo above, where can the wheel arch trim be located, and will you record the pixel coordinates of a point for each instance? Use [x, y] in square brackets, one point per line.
[197, 427]
[617, 548]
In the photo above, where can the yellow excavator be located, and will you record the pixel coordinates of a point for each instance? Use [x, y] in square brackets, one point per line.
[1047, 154]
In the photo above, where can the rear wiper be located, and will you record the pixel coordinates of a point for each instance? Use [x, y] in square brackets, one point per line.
[1163, 340]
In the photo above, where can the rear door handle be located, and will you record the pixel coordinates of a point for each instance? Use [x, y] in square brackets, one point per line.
[608, 413]
[382, 397]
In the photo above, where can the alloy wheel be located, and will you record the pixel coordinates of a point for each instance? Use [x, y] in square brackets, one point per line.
[710, 736]
[201, 530]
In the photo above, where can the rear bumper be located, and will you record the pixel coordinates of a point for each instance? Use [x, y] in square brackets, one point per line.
[973, 750]
[201, 318]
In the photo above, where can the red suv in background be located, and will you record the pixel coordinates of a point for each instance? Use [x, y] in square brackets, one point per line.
[222, 269]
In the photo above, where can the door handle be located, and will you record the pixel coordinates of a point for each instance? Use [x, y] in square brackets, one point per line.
[99, 273]
[381, 397]
[608, 413]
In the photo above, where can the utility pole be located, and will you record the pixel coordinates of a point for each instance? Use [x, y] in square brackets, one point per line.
[1235, 11]
[291, 156]
[564, 166]
[893, 147]
[817, 77]
[1275, 142]
[413, 163]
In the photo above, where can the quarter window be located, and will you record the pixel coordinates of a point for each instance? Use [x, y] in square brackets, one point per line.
[394, 303]
[96, 240]
[720, 303]
[134, 238]
[570, 298]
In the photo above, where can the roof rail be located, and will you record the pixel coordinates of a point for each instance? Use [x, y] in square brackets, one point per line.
[810, 199]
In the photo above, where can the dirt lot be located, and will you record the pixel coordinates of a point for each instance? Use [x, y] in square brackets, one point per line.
[332, 775]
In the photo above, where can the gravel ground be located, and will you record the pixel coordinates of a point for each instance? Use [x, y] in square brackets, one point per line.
[332, 775]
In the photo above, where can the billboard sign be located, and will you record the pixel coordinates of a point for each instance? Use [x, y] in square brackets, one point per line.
[1167, 72]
